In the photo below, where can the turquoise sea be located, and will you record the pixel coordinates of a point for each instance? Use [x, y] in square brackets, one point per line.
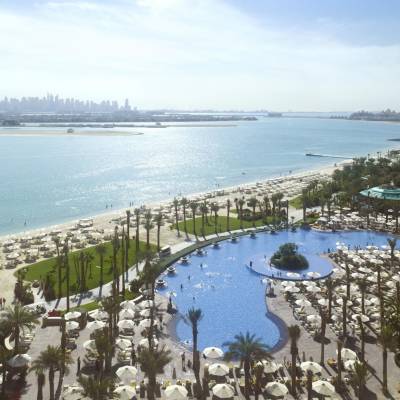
[46, 180]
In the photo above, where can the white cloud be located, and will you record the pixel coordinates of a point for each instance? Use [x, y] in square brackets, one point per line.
[187, 53]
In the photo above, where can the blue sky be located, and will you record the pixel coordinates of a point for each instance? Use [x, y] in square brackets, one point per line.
[319, 55]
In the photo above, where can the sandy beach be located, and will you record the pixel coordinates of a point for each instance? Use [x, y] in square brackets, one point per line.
[59, 132]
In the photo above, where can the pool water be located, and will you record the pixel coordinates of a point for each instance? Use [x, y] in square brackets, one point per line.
[232, 296]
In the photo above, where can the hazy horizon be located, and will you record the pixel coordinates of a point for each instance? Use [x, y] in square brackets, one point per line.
[297, 55]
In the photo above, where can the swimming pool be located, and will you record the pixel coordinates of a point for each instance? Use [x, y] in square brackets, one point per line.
[231, 295]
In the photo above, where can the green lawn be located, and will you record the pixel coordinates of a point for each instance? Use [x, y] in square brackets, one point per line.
[209, 228]
[40, 269]
[296, 202]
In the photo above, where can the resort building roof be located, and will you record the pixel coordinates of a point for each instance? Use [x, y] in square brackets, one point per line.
[382, 192]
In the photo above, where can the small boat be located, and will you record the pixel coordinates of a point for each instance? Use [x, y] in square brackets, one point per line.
[171, 270]
[161, 283]
[184, 260]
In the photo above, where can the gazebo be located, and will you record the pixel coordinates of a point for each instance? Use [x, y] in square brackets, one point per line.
[388, 196]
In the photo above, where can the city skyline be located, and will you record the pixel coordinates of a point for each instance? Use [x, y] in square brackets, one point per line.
[214, 54]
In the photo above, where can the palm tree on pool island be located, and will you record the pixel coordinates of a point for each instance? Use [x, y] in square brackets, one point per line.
[294, 335]
[194, 316]
[247, 348]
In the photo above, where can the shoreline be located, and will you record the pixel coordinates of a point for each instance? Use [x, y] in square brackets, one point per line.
[105, 217]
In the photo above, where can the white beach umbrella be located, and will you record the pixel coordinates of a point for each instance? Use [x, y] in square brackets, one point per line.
[95, 325]
[313, 289]
[19, 360]
[72, 315]
[126, 314]
[356, 317]
[213, 352]
[123, 344]
[276, 389]
[126, 324]
[292, 289]
[349, 364]
[269, 366]
[145, 342]
[90, 345]
[125, 392]
[126, 373]
[313, 274]
[288, 283]
[71, 325]
[98, 314]
[128, 305]
[223, 391]
[348, 354]
[323, 302]
[145, 323]
[340, 301]
[323, 387]
[176, 392]
[218, 369]
[312, 366]
[146, 304]
[145, 313]
[293, 274]
[314, 319]
[72, 393]
[303, 303]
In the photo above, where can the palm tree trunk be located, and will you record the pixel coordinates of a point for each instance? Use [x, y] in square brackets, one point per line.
[158, 237]
[51, 383]
[246, 368]
[101, 270]
[384, 369]
[228, 219]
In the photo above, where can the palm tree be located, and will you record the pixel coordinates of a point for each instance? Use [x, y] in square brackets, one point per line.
[253, 204]
[96, 388]
[228, 215]
[203, 210]
[339, 363]
[359, 377]
[386, 340]
[193, 206]
[344, 316]
[330, 285]
[41, 380]
[136, 211]
[67, 272]
[246, 348]
[241, 204]
[57, 242]
[363, 286]
[322, 336]
[52, 359]
[347, 280]
[176, 205]
[128, 225]
[152, 363]
[214, 209]
[5, 355]
[392, 244]
[294, 335]
[148, 225]
[304, 198]
[184, 203]
[194, 316]
[101, 251]
[159, 221]
[17, 318]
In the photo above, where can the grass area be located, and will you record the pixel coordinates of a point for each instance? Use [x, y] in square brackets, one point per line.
[43, 268]
[296, 202]
[234, 224]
